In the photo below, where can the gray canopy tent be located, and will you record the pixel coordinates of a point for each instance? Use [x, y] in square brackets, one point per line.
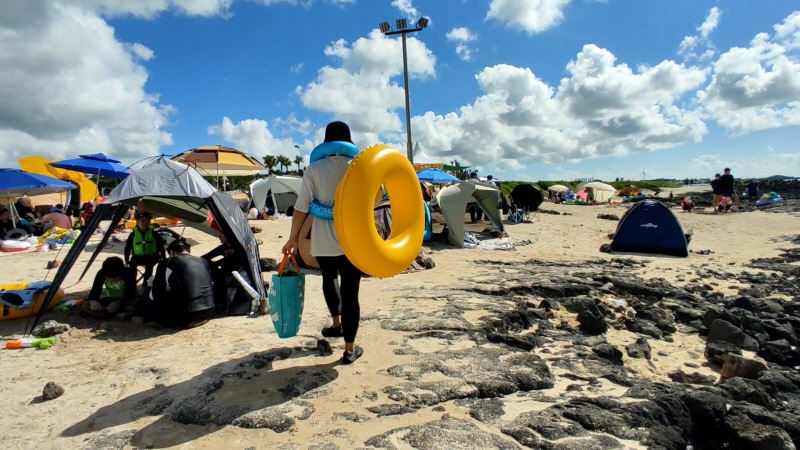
[176, 182]
[453, 202]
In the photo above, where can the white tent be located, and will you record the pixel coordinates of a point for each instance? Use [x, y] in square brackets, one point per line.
[602, 192]
[282, 188]
[453, 201]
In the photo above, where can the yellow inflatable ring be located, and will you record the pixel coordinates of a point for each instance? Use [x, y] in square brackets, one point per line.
[354, 219]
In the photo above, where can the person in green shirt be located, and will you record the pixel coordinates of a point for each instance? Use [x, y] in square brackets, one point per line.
[144, 246]
[119, 284]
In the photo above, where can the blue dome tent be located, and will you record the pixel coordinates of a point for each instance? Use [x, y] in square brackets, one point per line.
[650, 227]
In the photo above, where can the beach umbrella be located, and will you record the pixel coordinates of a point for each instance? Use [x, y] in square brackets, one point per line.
[558, 188]
[16, 183]
[220, 161]
[94, 164]
[435, 176]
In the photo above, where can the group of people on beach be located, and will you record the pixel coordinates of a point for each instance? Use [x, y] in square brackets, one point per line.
[185, 291]
[723, 194]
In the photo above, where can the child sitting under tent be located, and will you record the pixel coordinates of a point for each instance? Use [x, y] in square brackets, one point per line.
[146, 245]
[119, 283]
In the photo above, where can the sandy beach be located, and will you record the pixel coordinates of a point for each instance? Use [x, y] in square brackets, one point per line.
[438, 346]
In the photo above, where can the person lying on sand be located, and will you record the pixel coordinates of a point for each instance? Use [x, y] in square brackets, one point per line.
[119, 283]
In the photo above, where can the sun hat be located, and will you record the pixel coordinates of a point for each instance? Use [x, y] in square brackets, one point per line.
[25, 201]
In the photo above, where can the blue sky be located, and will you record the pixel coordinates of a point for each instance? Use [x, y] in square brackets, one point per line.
[523, 89]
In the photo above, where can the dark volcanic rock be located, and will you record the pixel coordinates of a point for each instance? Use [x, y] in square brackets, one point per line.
[550, 425]
[744, 390]
[716, 351]
[550, 304]
[644, 327]
[780, 352]
[448, 433]
[608, 352]
[758, 414]
[591, 319]
[390, 410]
[744, 434]
[723, 331]
[680, 376]
[52, 391]
[718, 313]
[487, 410]
[639, 349]
[707, 411]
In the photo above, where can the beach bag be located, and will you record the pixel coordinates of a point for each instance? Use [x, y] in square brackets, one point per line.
[286, 296]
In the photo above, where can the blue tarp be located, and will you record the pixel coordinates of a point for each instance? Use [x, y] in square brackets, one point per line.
[650, 227]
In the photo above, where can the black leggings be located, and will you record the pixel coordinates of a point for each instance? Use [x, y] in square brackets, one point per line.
[334, 267]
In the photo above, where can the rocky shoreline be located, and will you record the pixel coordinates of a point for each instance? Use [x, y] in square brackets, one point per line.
[530, 357]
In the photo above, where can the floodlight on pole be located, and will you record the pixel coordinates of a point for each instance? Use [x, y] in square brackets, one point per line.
[402, 30]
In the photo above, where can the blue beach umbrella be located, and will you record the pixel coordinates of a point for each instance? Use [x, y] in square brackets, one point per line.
[95, 164]
[435, 176]
[17, 183]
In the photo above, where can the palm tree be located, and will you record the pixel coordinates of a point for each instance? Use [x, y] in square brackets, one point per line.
[270, 162]
[298, 160]
[284, 162]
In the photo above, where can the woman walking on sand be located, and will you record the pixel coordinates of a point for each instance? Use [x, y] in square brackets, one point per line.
[320, 181]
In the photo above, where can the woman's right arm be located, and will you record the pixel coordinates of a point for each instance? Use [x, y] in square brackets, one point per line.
[304, 199]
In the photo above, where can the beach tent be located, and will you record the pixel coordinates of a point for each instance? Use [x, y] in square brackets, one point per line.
[601, 192]
[628, 191]
[650, 227]
[167, 179]
[453, 201]
[283, 189]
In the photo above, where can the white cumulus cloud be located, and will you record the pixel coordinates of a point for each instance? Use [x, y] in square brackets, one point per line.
[406, 7]
[689, 46]
[532, 16]
[253, 136]
[758, 87]
[62, 97]
[361, 90]
[601, 109]
[711, 22]
[461, 36]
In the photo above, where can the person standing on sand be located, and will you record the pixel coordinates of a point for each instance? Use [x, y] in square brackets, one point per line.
[727, 183]
[716, 191]
[320, 181]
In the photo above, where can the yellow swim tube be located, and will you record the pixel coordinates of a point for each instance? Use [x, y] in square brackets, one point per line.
[354, 219]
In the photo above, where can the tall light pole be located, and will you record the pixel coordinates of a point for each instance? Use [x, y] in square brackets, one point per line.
[403, 30]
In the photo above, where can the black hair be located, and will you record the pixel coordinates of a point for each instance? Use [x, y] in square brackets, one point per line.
[179, 246]
[338, 131]
[473, 174]
[489, 177]
[113, 267]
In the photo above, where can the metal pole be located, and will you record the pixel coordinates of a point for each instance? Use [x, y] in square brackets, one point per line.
[409, 150]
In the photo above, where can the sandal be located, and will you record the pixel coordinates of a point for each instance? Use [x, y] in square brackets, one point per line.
[350, 358]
